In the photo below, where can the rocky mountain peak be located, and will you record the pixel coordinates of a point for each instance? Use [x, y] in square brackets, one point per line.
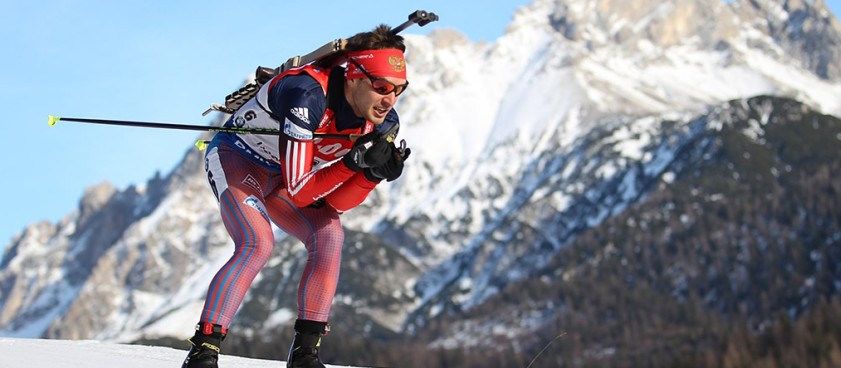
[447, 38]
[96, 196]
[663, 23]
[804, 30]
[801, 30]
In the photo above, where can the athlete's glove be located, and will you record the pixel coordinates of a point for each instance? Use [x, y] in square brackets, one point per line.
[369, 150]
[391, 169]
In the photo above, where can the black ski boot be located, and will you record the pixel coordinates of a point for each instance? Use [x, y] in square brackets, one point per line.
[304, 350]
[205, 350]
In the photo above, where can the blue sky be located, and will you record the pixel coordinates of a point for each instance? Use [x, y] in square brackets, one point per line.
[163, 61]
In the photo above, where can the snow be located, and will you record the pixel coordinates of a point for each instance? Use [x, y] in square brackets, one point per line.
[52, 303]
[173, 315]
[39, 353]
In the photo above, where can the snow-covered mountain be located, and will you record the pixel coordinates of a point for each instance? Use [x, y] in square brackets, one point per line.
[518, 146]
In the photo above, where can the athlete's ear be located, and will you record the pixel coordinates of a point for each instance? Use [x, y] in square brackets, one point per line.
[352, 83]
[351, 86]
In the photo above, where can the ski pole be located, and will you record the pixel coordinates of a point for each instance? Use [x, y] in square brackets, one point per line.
[145, 124]
[206, 128]
[389, 134]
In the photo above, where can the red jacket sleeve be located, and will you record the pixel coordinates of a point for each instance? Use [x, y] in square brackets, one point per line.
[351, 193]
[302, 183]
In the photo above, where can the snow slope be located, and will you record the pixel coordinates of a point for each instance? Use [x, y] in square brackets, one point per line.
[38, 353]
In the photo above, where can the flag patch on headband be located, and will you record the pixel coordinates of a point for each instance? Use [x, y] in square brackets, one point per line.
[397, 63]
[378, 63]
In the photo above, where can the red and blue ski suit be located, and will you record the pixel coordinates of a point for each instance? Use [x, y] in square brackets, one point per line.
[296, 181]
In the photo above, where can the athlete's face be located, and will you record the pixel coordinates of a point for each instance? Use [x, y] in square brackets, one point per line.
[369, 101]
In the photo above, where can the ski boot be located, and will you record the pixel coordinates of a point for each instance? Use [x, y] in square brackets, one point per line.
[304, 350]
[204, 352]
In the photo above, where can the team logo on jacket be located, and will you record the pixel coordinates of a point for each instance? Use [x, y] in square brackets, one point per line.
[301, 113]
[293, 130]
[397, 63]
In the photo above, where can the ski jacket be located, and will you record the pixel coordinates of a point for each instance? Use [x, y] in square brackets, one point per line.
[295, 102]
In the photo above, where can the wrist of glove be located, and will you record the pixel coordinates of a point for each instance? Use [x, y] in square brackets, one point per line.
[391, 169]
[368, 151]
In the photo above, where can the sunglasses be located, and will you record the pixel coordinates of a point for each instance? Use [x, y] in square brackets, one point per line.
[381, 85]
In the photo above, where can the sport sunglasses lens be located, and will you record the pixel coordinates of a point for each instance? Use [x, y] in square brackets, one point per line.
[380, 85]
[385, 87]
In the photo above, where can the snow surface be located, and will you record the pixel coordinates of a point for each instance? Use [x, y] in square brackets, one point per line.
[38, 353]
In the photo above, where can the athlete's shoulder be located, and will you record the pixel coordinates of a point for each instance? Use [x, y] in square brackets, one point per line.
[302, 83]
[300, 99]
[392, 116]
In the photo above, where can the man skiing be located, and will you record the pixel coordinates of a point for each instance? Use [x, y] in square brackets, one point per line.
[302, 181]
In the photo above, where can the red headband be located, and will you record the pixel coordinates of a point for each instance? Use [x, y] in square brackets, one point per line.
[378, 63]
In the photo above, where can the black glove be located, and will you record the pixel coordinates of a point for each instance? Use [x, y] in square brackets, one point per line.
[391, 169]
[369, 150]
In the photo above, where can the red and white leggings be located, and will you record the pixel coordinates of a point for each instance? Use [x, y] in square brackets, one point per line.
[249, 200]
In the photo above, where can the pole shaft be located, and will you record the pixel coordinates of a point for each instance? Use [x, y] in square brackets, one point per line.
[204, 128]
[147, 124]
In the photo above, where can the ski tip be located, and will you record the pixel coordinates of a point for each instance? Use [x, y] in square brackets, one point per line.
[201, 144]
[53, 120]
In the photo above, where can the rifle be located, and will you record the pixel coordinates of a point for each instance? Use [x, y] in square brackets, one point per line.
[330, 54]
